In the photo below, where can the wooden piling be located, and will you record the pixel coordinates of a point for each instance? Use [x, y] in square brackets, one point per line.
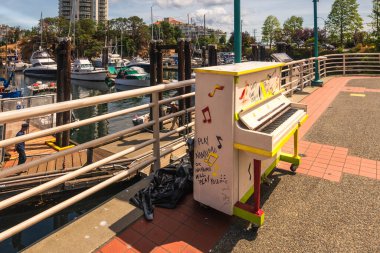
[181, 77]
[105, 57]
[187, 51]
[255, 52]
[63, 53]
[212, 55]
[152, 69]
[203, 56]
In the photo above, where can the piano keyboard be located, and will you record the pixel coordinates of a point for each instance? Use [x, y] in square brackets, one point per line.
[276, 122]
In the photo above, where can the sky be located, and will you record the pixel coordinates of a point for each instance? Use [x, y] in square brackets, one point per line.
[219, 13]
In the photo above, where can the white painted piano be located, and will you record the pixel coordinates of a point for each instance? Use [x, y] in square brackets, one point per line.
[242, 121]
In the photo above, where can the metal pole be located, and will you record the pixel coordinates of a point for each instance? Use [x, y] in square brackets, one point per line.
[316, 81]
[151, 19]
[237, 31]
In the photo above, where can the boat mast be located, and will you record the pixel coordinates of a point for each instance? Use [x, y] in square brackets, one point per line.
[121, 44]
[41, 30]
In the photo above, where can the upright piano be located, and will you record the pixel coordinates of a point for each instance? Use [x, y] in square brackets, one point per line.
[242, 122]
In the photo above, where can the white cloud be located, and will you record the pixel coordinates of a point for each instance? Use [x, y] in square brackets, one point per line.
[217, 17]
[174, 3]
[182, 3]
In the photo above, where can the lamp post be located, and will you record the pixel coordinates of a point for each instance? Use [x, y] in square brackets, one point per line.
[237, 31]
[316, 81]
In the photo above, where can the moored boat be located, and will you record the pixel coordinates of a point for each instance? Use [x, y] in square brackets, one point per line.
[43, 66]
[84, 70]
[132, 77]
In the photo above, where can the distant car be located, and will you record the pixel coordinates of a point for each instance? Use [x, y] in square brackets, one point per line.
[328, 46]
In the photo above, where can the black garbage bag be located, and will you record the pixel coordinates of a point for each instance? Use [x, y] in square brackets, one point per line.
[166, 189]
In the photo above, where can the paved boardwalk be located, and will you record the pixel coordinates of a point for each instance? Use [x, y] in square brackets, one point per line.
[330, 205]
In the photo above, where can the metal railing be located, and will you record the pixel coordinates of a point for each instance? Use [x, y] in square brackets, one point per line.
[296, 75]
[158, 151]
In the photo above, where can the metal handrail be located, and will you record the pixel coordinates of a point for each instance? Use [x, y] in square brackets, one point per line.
[297, 75]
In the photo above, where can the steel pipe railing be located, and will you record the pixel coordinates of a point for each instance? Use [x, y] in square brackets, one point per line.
[297, 75]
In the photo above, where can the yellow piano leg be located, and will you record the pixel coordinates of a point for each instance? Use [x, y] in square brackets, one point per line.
[294, 159]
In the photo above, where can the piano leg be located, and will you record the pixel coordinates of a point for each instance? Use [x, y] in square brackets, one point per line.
[295, 143]
[252, 213]
[256, 185]
[294, 159]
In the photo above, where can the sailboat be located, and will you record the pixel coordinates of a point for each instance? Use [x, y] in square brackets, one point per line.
[43, 66]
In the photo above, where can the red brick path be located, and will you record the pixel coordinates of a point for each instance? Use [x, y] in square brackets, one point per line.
[190, 228]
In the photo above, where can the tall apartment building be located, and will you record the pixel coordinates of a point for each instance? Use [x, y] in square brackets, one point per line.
[84, 9]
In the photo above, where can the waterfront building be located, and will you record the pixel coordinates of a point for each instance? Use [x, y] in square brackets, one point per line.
[192, 30]
[3, 32]
[96, 10]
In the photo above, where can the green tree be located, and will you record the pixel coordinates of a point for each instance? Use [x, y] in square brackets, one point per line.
[139, 34]
[291, 26]
[375, 15]
[344, 18]
[270, 29]
[223, 39]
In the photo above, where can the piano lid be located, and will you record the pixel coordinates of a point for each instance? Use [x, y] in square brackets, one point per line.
[239, 69]
[257, 115]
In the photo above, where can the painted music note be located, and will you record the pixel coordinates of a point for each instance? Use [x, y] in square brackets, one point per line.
[219, 139]
[204, 111]
[249, 171]
[215, 170]
[216, 87]
[211, 159]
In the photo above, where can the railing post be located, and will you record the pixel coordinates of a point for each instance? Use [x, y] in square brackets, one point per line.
[344, 64]
[156, 131]
[301, 74]
[160, 74]
[291, 79]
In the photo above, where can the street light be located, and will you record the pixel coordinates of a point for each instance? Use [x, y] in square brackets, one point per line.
[316, 81]
[237, 31]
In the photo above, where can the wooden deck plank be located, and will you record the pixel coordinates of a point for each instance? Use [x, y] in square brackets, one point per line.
[59, 163]
[42, 167]
[68, 161]
[32, 170]
[51, 165]
[10, 163]
[83, 157]
[76, 160]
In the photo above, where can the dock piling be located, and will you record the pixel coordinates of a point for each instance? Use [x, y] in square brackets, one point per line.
[63, 89]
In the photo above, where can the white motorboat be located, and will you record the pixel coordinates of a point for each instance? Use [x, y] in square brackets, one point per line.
[18, 66]
[132, 77]
[84, 70]
[43, 65]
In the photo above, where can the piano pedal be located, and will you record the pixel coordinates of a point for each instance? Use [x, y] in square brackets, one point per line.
[293, 167]
[268, 181]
